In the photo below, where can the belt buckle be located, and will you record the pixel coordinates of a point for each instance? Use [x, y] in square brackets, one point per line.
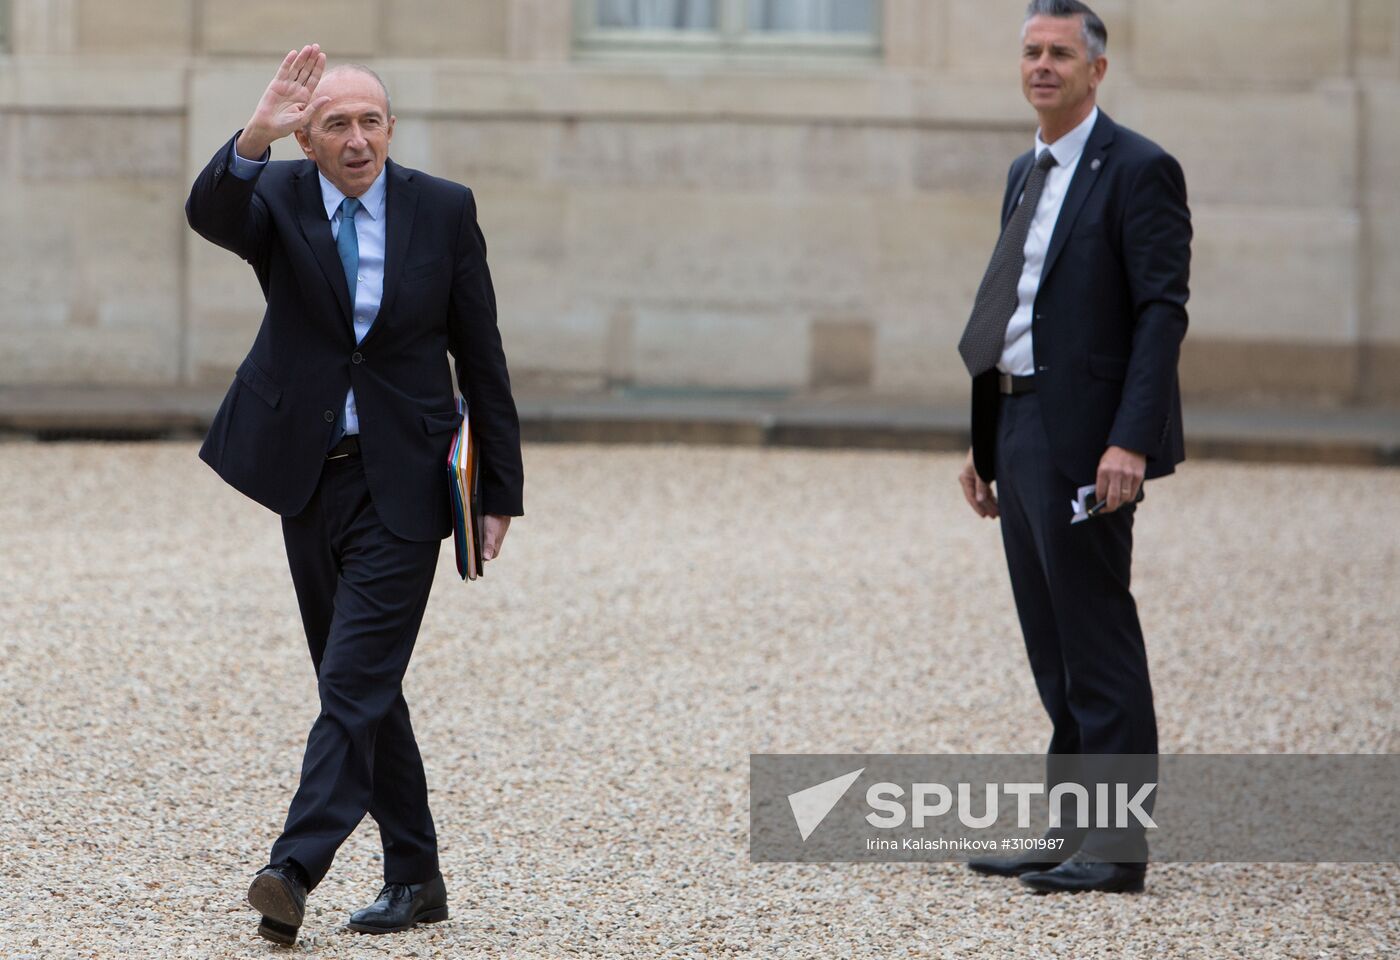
[1006, 383]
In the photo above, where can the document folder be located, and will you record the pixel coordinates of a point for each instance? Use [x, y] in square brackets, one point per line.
[462, 471]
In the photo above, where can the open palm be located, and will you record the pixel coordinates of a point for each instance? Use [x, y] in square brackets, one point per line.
[287, 103]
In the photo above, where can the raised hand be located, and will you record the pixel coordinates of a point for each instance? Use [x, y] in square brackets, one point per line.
[287, 103]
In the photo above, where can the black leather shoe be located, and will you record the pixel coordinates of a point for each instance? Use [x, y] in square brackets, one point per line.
[1015, 866]
[402, 906]
[1059, 845]
[1080, 874]
[278, 892]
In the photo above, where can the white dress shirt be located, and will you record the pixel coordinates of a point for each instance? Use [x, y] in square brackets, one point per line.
[1017, 356]
[370, 232]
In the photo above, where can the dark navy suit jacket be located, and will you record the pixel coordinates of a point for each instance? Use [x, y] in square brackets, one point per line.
[1110, 314]
[270, 436]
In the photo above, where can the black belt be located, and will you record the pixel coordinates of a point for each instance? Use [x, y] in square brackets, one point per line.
[1012, 386]
[349, 446]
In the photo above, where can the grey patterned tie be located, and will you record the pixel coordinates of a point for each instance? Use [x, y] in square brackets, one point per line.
[984, 339]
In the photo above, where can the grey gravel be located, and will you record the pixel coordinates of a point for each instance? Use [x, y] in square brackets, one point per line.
[586, 712]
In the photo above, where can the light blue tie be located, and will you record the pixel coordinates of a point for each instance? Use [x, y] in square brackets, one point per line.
[347, 244]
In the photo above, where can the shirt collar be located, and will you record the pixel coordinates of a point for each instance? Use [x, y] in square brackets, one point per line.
[372, 203]
[1068, 148]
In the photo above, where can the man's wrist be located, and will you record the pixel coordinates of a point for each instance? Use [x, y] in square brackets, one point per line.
[252, 145]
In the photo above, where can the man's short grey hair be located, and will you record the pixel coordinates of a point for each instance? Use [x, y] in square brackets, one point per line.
[361, 68]
[1095, 33]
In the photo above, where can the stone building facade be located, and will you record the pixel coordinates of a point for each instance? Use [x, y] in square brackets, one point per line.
[792, 215]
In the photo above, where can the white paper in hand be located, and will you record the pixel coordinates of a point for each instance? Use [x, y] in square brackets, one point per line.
[1080, 505]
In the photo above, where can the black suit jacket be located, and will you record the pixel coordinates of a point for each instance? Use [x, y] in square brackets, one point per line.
[1110, 314]
[270, 436]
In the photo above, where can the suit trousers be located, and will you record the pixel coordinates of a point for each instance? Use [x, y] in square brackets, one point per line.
[362, 591]
[1072, 588]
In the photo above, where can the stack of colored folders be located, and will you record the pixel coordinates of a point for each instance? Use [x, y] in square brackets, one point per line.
[462, 469]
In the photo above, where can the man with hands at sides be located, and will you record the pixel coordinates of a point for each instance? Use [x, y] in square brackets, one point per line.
[339, 419]
[1073, 345]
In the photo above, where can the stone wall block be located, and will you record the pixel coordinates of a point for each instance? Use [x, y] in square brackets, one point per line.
[1255, 148]
[134, 27]
[447, 28]
[1290, 42]
[97, 146]
[345, 29]
[1283, 274]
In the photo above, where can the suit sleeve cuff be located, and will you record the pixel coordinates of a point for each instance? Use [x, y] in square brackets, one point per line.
[502, 503]
[245, 169]
[1138, 441]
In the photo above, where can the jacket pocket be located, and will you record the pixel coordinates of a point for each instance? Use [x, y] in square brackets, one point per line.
[418, 271]
[1109, 368]
[259, 382]
[442, 422]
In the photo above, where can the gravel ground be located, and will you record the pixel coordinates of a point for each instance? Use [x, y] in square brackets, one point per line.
[586, 712]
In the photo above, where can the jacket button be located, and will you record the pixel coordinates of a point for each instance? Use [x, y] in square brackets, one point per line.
[357, 357]
[329, 416]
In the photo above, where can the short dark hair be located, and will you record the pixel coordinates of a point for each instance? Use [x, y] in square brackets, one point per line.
[1095, 33]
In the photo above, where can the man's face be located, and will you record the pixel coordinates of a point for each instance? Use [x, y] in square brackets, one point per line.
[349, 137]
[1057, 75]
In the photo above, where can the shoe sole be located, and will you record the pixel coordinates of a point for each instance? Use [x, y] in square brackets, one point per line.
[278, 933]
[435, 915]
[272, 896]
[1130, 886]
[987, 870]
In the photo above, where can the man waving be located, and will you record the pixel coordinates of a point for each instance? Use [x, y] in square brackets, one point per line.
[339, 419]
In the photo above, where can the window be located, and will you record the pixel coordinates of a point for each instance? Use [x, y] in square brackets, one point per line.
[655, 15]
[840, 17]
[730, 26]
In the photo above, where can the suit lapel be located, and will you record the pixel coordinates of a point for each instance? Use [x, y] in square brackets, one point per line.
[401, 204]
[311, 215]
[1091, 164]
